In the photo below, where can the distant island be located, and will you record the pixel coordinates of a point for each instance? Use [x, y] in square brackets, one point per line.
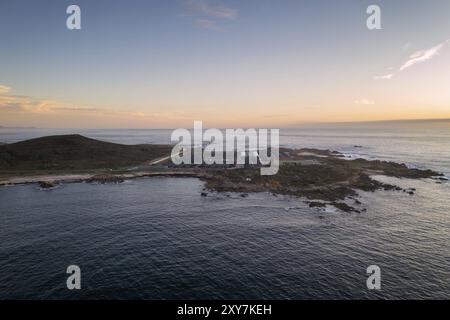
[322, 177]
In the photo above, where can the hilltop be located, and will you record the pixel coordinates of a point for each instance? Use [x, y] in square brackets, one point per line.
[74, 153]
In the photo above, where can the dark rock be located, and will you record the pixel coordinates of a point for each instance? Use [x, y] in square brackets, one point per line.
[204, 194]
[47, 184]
[344, 207]
[244, 195]
[316, 204]
[106, 178]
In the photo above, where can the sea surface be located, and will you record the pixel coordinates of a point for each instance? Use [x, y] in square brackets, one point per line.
[159, 239]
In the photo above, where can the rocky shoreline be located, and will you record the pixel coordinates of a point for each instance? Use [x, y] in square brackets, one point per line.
[321, 177]
[328, 180]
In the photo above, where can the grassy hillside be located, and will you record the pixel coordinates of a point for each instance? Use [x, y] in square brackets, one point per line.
[74, 153]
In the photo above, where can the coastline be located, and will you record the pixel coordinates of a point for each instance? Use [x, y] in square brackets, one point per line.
[320, 177]
[77, 178]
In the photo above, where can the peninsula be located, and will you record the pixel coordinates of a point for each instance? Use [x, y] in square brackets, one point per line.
[321, 177]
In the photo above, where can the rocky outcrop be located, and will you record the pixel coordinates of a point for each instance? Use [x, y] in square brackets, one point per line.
[106, 178]
[331, 181]
[47, 184]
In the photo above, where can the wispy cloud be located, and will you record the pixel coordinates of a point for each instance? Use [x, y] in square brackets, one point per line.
[384, 77]
[366, 102]
[416, 58]
[422, 56]
[210, 9]
[33, 105]
[207, 14]
[4, 89]
[27, 104]
[20, 104]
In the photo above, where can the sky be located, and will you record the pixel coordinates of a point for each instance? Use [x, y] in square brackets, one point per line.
[236, 63]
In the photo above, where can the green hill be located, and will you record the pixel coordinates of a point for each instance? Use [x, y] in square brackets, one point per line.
[74, 153]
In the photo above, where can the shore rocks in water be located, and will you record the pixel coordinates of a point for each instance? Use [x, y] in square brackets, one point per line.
[409, 191]
[47, 184]
[344, 207]
[316, 204]
[330, 181]
[339, 205]
[105, 178]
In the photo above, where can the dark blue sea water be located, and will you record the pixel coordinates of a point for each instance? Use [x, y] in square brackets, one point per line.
[159, 239]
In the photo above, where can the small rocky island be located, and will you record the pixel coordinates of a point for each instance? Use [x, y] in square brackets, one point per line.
[322, 177]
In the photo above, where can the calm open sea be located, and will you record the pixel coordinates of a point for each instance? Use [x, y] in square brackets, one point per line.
[159, 239]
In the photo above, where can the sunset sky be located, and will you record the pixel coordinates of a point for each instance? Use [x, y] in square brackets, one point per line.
[253, 63]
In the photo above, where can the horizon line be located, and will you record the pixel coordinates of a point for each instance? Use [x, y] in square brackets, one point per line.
[281, 127]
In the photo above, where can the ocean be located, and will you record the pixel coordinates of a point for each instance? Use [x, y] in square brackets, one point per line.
[157, 238]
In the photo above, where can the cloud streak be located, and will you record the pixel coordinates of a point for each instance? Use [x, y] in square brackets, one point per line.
[384, 77]
[4, 89]
[19, 104]
[416, 58]
[422, 56]
[205, 8]
[207, 14]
